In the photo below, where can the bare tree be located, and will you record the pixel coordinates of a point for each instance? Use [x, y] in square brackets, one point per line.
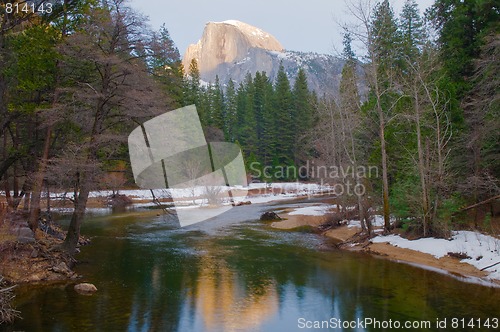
[113, 91]
[375, 29]
[429, 113]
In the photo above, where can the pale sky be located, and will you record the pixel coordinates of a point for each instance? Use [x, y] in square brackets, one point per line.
[299, 25]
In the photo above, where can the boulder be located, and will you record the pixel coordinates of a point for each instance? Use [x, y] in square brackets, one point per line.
[24, 234]
[61, 268]
[270, 215]
[85, 288]
[119, 200]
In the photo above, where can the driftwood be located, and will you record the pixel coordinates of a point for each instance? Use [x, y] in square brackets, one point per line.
[484, 268]
[8, 289]
[7, 313]
[159, 204]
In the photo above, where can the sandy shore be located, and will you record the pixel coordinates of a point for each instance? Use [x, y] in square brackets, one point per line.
[294, 221]
[346, 238]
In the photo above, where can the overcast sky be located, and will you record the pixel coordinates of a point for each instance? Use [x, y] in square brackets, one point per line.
[299, 25]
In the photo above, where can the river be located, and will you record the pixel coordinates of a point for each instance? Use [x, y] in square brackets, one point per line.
[237, 274]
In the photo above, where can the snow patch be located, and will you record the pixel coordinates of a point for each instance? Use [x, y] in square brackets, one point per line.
[311, 211]
[247, 28]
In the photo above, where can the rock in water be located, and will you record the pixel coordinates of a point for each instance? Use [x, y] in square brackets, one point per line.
[267, 216]
[85, 288]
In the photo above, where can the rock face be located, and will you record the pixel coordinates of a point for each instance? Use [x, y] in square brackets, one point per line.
[225, 43]
[231, 49]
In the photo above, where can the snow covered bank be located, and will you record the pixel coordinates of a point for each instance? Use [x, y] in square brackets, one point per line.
[483, 250]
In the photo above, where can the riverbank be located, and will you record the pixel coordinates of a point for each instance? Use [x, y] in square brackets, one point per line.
[467, 255]
[42, 260]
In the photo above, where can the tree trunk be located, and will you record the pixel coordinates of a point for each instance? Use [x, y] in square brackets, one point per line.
[42, 167]
[383, 150]
[48, 199]
[428, 167]
[385, 179]
[37, 186]
[71, 240]
[421, 168]
[26, 204]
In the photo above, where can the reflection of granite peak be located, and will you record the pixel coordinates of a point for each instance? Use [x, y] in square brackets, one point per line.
[231, 49]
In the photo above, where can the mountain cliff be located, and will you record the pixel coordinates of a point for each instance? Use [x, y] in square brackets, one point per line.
[231, 49]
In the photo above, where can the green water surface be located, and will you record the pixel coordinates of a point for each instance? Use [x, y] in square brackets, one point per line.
[243, 277]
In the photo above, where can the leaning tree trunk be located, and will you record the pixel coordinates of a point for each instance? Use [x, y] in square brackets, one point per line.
[73, 234]
[85, 180]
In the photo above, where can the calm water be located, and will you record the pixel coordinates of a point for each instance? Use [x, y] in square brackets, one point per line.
[242, 277]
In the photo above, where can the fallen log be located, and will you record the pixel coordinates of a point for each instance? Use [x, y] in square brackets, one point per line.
[491, 199]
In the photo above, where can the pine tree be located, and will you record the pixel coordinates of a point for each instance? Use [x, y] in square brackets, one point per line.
[283, 104]
[165, 65]
[461, 26]
[302, 117]
[348, 90]
[468, 32]
[230, 112]
[247, 135]
[192, 86]
[262, 109]
[268, 141]
[385, 59]
[385, 40]
[411, 28]
[216, 105]
[351, 122]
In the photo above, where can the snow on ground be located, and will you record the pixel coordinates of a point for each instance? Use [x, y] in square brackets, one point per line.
[292, 186]
[311, 210]
[483, 250]
[377, 221]
[292, 189]
[354, 223]
[268, 198]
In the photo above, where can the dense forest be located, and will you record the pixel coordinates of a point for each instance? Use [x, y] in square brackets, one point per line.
[77, 76]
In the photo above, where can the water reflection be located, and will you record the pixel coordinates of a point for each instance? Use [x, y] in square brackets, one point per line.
[153, 278]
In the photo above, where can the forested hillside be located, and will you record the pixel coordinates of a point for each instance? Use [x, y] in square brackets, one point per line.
[77, 76]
